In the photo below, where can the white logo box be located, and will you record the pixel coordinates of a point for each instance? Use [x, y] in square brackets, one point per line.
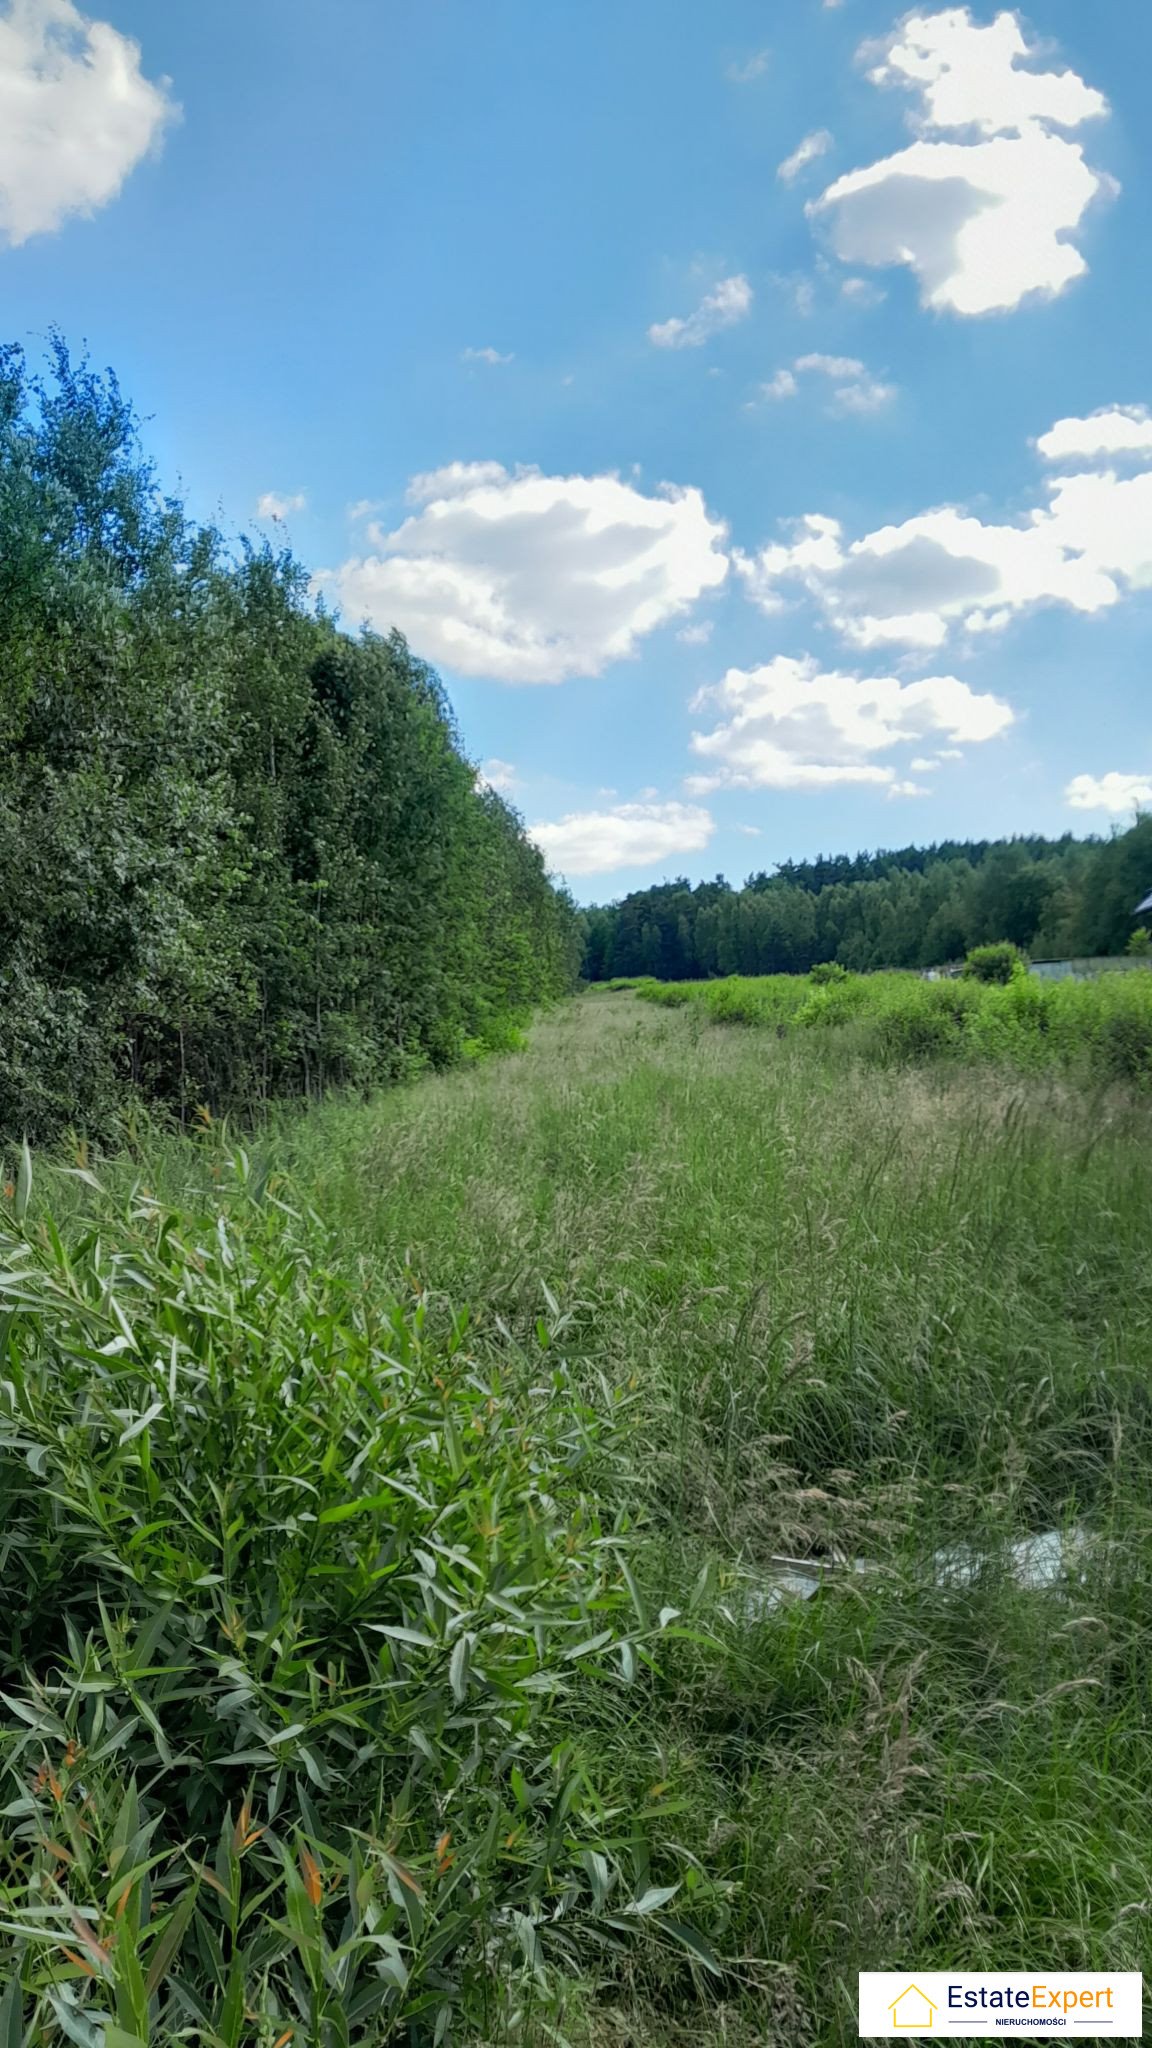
[929, 2005]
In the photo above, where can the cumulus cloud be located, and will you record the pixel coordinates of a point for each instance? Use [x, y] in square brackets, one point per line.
[697, 635]
[531, 578]
[491, 356]
[1116, 430]
[984, 203]
[855, 389]
[498, 775]
[728, 302]
[806, 152]
[790, 725]
[627, 836]
[1087, 545]
[277, 504]
[1113, 793]
[76, 115]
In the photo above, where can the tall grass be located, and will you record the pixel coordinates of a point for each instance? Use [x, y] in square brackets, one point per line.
[300, 1597]
[1103, 1025]
[730, 1296]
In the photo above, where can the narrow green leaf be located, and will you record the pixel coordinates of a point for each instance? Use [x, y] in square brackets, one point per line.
[23, 1184]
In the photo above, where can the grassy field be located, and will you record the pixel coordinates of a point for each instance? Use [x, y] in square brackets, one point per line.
[393, 1643]
[1100, 1029]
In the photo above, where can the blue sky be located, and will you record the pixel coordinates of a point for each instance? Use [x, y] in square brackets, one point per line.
[529, 289]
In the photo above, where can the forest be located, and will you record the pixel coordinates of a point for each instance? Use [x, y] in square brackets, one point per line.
[244, 855]
[912, 908]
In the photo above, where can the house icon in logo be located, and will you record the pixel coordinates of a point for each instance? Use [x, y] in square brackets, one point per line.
[913, 2010]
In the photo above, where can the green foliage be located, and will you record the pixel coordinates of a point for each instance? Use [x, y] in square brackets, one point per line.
[310, 1616]
[826, 973]
[1140, 944]
[856, 1308]
[912, 908]
[243, 854]
[1102, 1025]
[996, 963]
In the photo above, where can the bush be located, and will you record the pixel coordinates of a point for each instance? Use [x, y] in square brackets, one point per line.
[826, 972]
[299, 1600]
[994, 963]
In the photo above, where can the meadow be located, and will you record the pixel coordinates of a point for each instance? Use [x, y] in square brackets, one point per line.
[1098, 1028]
[396, 1639]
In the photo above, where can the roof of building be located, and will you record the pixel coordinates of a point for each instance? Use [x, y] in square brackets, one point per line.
[1146, 905]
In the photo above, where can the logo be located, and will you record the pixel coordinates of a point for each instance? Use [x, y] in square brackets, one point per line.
[972, 2003]
[913, 2009]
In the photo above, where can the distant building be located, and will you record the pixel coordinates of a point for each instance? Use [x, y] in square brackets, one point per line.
[1085, 970]
[1142, 907]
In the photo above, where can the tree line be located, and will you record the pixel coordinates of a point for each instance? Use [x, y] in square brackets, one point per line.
[243, 853]
[914, 907]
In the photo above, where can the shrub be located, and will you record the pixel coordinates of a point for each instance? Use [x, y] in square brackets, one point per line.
[297, 1594]
[922, 1020]
[1140, 944]
[994, 963]
[826, 972]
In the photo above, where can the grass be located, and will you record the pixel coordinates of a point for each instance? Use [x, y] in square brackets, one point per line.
[629, 1314]
[1102, 1026]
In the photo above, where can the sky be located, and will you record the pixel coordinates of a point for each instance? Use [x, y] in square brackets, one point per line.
[746, 408]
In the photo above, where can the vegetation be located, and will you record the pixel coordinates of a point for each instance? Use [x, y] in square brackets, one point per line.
[1101, 1029]
[917, 907]
[243, 855]
[999, 963]
[393, 1647]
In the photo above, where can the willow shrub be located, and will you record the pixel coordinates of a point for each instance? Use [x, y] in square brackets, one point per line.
[312, 1635]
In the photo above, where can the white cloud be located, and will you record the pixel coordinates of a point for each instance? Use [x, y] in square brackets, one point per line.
[986, 219]
[277, 505]
[629, 835]
[855, 388]
[491, 356]
[697, 635]
[925, 764]
[76, 115]
[806, 152]
[748, 68]
[498, 775]
[899, 789]
[532, 578]
[1114, 793]
[789, 725]
[749, 831]
[728, 302]
[1116, 430]
[1087, 545]
[862, 292]
[363, 508]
